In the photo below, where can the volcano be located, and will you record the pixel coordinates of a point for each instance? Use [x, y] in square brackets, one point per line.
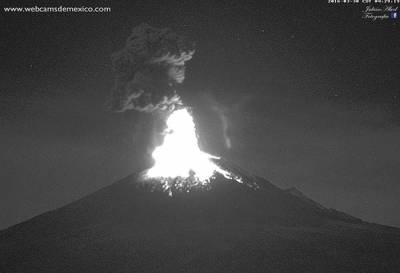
[248, 225]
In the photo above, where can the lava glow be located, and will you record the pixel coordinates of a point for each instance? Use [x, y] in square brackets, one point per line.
[180, 156]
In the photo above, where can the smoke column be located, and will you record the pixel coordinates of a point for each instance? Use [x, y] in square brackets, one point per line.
[148, 69]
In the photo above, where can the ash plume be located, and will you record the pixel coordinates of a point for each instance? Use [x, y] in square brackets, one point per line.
[148, 69]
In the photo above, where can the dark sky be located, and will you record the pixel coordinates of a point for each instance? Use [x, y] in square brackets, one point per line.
[310, 92]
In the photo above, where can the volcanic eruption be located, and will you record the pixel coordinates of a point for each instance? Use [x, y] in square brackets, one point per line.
[179, 162]
[191, 211]
[148, 70]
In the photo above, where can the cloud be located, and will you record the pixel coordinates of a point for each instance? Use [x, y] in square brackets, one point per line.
[148, 69]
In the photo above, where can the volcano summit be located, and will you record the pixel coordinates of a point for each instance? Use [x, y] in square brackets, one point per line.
[253, 226]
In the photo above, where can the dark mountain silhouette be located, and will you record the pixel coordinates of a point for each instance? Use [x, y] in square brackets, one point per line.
[253, 226]
[296, 192]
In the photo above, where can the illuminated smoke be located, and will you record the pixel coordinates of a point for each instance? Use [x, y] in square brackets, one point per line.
[225, 126]
[148, 69]
[179, 162]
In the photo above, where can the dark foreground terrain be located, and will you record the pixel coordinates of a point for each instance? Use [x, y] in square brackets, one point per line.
[131, 226]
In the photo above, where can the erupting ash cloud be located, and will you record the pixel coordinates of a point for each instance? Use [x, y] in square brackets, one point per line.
[148, 69]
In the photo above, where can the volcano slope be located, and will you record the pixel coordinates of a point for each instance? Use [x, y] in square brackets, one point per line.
[253, 226]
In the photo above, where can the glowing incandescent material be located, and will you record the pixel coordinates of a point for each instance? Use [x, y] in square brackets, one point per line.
[179, 156]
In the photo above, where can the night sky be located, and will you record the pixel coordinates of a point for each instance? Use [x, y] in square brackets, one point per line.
[310, 93]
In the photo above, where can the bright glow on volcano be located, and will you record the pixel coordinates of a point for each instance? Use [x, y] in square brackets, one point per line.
[180, 156]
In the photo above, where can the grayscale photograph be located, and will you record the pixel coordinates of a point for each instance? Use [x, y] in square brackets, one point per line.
[200, 136]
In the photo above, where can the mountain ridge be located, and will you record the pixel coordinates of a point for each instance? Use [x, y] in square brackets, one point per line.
[133, 225]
